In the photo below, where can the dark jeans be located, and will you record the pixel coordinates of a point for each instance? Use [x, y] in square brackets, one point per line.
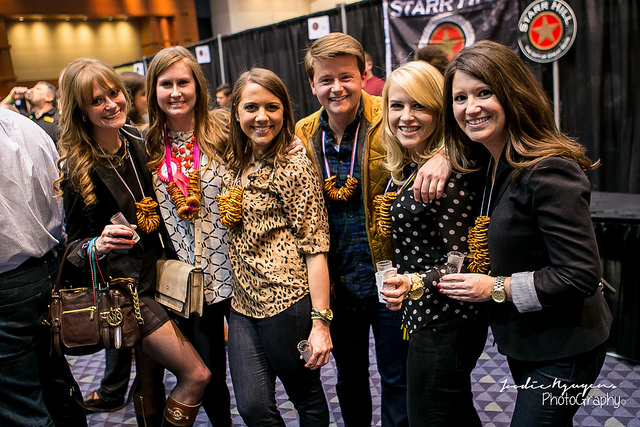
[261, 350]
[541, 400]
[441, 358]
[350, 331]
[36, 389]
[206, 333]
[114, 385]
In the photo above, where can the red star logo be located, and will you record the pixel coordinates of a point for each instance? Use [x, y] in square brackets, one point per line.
[545, 31]
[449, 37]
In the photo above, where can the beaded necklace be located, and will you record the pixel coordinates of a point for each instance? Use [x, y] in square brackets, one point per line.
[382, 206]
[183, 190]
[477, 238]
[146, 209]
[349, 188]
[230, 204]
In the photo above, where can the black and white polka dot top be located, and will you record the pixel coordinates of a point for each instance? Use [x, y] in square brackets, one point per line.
[422, 235]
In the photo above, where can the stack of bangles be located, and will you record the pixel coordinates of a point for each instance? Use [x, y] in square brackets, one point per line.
[95, 248]
[326, 315]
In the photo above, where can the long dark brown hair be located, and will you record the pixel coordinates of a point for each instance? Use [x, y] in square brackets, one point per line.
[533, 135]
[240, 145]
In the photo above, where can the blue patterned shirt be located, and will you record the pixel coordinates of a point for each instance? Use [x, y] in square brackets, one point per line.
[350, 255]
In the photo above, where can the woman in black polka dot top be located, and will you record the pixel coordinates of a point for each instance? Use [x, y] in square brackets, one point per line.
[446, 336]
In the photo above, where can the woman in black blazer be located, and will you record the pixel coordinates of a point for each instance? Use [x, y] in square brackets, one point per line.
[103, 172]
[533, 248]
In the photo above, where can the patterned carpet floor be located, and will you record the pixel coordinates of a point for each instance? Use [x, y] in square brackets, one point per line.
[615, 404]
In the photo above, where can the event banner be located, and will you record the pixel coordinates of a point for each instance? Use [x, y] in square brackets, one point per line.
[448, 24]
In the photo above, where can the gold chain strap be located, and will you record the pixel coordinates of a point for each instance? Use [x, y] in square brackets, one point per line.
[136, 303]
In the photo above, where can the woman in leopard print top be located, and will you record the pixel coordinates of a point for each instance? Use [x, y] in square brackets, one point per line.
[278, 256]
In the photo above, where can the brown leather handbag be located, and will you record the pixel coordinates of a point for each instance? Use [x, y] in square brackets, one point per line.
[90, 315]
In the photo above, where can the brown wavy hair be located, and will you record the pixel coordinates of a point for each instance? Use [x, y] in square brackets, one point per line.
[210, 129]
[78, 149]
[240, 146]
[533, 135]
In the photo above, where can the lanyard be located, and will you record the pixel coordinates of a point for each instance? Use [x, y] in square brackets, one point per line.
[354, 150]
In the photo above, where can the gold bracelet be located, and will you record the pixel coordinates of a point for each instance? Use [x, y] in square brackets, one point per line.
[416, 289]
[326, 314]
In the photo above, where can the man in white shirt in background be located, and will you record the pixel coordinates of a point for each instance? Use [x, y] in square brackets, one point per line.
[35, 388]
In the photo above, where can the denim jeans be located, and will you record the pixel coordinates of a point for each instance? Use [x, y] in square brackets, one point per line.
[117, 371]
[441, 358]
[261, 350]
[350, 329]
[541, 401]
[30, 379]
[206, 333]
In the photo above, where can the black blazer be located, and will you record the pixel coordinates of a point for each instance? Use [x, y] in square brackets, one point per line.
[542, 224]
[113, 197]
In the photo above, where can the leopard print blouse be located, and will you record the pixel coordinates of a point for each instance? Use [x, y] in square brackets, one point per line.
[283, 218]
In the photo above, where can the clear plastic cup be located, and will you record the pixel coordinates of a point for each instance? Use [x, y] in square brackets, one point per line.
[306, 349]
[119, 219]
[385, 270]
[454, 263]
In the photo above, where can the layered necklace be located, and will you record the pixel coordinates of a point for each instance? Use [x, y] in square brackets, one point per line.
[382, 206]
[183, 190]
[351, 185]
[230, 204]
[147, 214]
[477, 238]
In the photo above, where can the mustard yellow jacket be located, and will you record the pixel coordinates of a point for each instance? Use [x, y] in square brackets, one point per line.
[370, 156]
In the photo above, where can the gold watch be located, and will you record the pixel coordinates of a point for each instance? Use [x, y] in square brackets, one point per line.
[417, 286]
[498, 294]
[326, 314]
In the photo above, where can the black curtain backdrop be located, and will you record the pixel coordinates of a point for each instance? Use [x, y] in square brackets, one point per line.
[599, 84]
[600, 90]
[280, 48]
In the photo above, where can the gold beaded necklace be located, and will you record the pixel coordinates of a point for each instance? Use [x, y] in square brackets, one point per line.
[230, 204]
[350, 186]
[477, 238]
[147, 214]
[183, 190]
[382, 206]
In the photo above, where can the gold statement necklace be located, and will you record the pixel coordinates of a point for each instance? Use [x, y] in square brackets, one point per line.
[382, 206]
[230, 204]
[349, 188]
[477, 238]
[184, 190]
[147, 214]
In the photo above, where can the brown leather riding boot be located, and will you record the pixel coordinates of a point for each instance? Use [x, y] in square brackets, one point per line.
[179, 414]
[148, 408]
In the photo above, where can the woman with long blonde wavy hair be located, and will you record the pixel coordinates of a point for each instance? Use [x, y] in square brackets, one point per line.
[102, 172]
[446, 337]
